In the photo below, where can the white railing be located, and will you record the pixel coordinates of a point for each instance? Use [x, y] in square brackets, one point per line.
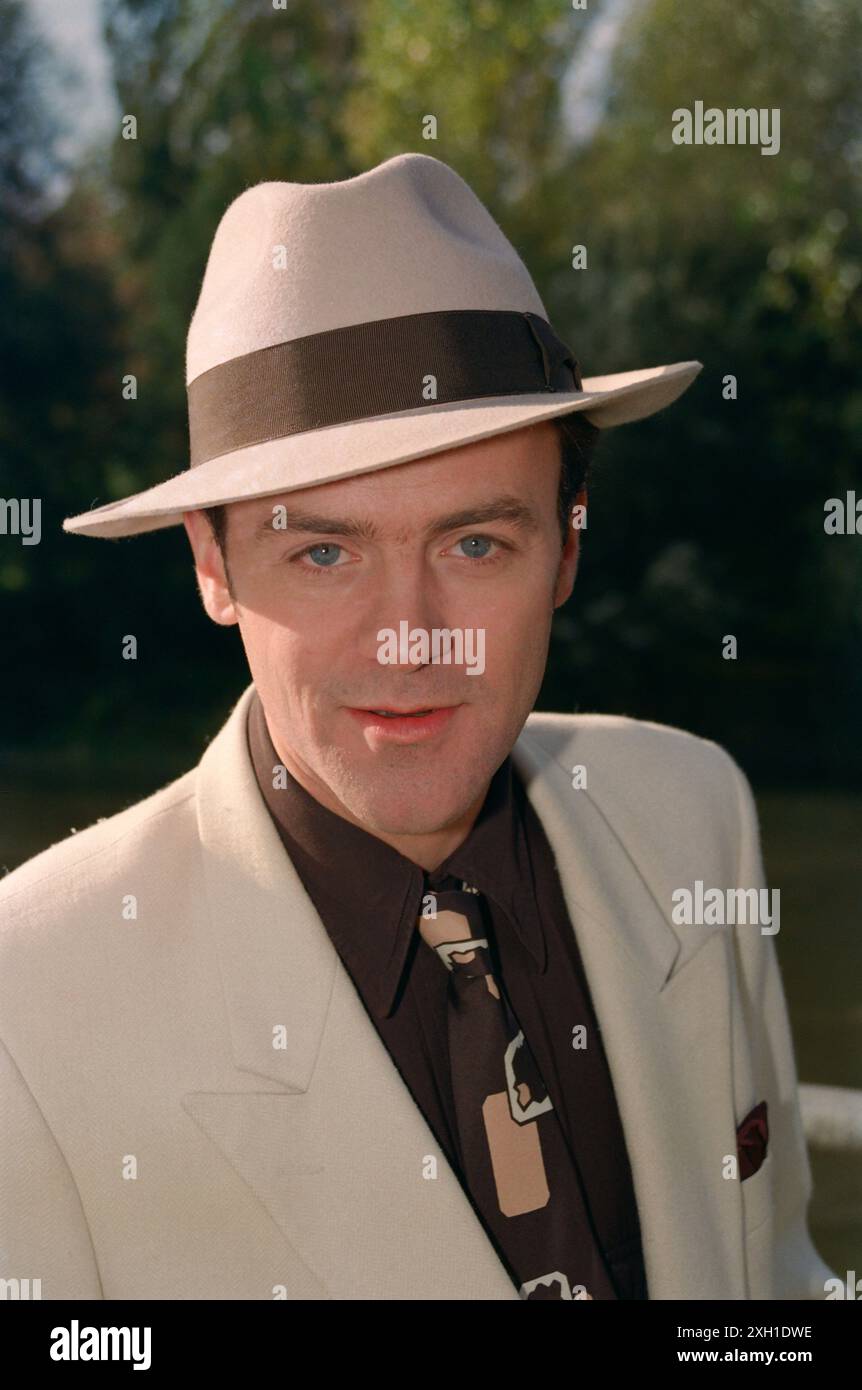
[832, 1117]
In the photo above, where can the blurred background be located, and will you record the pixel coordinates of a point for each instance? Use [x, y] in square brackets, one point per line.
[704, 521]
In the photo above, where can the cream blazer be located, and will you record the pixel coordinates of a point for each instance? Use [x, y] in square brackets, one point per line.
[194, 1103]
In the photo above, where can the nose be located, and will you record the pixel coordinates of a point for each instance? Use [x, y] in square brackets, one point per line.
[405, 599]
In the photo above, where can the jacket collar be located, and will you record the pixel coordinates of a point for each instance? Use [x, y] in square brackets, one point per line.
[368, 895]
[272, 966]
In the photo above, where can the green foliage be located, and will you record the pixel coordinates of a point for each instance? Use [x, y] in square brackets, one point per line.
[704, 520]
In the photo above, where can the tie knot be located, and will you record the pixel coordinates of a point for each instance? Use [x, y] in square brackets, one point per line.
[451, 916]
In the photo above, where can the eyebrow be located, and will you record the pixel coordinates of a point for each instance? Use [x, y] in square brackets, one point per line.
[504, 508]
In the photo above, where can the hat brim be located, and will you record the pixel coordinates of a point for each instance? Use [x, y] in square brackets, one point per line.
[363, 446]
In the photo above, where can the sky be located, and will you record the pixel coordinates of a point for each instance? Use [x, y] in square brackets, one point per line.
[585, 84]
[90, 111]
[73, 30]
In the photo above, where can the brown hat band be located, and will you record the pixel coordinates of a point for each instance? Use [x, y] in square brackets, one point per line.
[374, 368]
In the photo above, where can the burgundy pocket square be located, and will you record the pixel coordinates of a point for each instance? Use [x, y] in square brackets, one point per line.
[752, 1139]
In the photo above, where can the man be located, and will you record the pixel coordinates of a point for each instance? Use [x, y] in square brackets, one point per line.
[387, 998]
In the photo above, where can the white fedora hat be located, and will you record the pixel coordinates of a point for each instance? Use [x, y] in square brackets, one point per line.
[345, 327]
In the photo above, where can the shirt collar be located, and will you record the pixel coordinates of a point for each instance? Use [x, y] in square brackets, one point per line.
[369, 895]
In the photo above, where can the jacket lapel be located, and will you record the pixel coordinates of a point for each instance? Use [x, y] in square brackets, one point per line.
[334, 1146]
[661, 1003]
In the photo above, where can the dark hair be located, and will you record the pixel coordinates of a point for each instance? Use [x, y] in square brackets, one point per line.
[578, 440]
[577, 446]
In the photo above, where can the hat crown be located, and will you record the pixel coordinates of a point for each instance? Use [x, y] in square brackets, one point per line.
[290, 259]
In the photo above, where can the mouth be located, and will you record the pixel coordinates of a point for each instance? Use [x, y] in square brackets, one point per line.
[404, 725]
[405, 713]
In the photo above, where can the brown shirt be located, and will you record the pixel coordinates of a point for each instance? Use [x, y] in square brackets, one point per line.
[369, 897]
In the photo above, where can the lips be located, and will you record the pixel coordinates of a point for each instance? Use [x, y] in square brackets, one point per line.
[389, 724]
[404, 713]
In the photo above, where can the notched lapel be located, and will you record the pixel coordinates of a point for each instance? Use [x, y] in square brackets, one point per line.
[352, 1175]
[277, 963]
[341, 1157]
[665, 1016]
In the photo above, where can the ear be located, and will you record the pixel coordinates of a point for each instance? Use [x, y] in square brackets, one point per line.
[210, 569]
[570, 555]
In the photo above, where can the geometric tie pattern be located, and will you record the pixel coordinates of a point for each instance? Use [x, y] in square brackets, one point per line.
[512, 1149]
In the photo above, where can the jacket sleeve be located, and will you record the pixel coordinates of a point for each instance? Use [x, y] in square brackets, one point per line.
[782, 1260]
[43, 1231]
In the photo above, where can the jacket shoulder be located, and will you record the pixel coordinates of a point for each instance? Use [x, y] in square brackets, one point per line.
[88, 859]
[619, 736]
[665, 780]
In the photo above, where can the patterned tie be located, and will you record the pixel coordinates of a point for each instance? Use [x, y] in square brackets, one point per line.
[513, 1153]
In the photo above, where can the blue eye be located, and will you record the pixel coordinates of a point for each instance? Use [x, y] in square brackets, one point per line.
[473, 541]
[329, 556]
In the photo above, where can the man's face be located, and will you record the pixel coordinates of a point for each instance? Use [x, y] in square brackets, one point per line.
[467, 539]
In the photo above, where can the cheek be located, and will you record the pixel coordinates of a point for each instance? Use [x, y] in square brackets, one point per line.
[275, 651]
[520, 619]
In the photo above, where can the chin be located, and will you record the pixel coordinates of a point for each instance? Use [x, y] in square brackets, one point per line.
[415, 810]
